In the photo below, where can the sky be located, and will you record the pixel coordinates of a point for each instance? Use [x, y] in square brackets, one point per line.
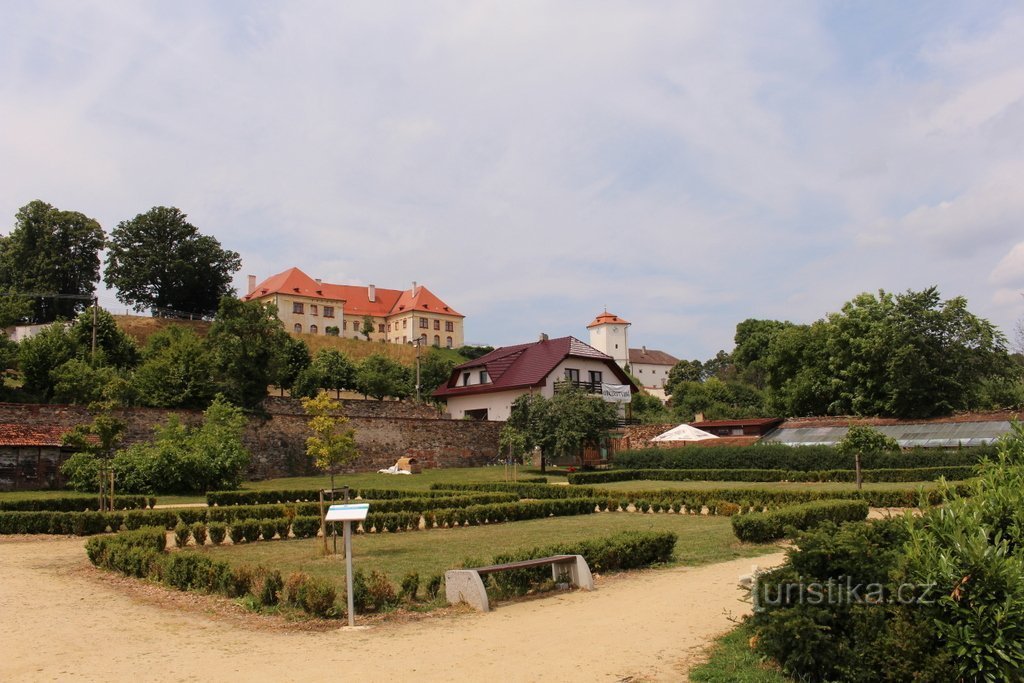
[684, 165]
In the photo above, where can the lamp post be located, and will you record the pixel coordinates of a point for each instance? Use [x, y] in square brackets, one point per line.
[417, 343]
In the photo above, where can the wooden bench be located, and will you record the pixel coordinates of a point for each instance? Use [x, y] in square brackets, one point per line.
[466, 585]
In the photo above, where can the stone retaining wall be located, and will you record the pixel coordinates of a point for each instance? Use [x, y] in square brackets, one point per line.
[385, 431]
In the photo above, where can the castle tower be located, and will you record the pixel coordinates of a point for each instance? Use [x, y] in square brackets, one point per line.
[610, 334]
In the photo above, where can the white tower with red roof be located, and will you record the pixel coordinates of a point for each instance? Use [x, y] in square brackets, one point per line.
[609, 334]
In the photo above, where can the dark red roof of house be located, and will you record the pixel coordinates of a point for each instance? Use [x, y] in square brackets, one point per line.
[525, 365]
[21, 435]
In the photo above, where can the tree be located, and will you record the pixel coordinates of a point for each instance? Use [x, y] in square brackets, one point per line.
[716, 400]
[335, 370]
[297, 360]
[158, 260]
[50, 251]
[684, 371]
[14, 308]
[579, 420]
[474, 352]
[861, 439]
[529, 424]
[176, 370]
[753, 340]
[367, 329]
[435, 369]
[40, 355]
[564, 424]
[95, 444]
[379, 376]
[333, 444]
[79, 383]
[249, 347]
[118, 348]
[648, 408]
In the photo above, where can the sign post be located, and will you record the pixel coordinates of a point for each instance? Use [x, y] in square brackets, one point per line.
[354, 512]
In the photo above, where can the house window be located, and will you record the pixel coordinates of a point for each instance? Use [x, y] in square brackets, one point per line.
[389, 327]
[405, 339]
[423, 339]
[380, 327]
[448, 342]
[572, 374]
[437, 340]
[313, 329]
[465, 379]
[483, 377]
[328, 311]
[344, 324]
[424, 323]
[437, 324]
[449, 326]
[297, 307]
[298, 328]
[595, 377]
[312, 309]
[405, 323]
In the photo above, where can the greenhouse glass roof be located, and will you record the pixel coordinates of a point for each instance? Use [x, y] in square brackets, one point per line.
[927, 435]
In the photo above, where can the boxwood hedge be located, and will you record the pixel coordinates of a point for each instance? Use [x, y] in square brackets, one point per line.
[762, 527]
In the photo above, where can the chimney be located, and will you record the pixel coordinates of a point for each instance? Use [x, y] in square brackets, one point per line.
[371, 293]
[318, 281]
[543, 336]
[415, 288]
[643, 349]
[252, 284]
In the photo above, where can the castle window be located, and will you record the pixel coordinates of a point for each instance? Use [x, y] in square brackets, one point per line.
[297, 307]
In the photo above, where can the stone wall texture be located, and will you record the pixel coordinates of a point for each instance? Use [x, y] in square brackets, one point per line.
[385, 431]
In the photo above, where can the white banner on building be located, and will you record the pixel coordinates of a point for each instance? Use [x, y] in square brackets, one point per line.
[616, 393]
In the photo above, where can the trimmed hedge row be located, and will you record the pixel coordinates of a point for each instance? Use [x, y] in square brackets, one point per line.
[953, 473]
[247, 497]
[762, 527]
[522, 490]
[83, 523]
[804, 458]
[74, 504]
[694, 500]
[141, 554]
[626, 550]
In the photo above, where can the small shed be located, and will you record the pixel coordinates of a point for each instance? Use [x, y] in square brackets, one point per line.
[31, 456]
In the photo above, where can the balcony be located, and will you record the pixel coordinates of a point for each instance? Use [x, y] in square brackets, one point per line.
[586, 387]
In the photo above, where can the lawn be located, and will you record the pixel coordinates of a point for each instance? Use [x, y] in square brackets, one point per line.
[731, 660]
[411, 482]
[702, 540]
[645, 484]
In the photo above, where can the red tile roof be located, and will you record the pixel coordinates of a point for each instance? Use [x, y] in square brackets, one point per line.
[21, 435]
[356, 298]
[745, 422]
[605, 318]
[651, 357]
[525, 365]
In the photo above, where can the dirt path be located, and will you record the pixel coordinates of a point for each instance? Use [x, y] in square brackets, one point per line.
[62, 620]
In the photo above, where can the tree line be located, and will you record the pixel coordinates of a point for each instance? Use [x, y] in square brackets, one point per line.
[246, 350]
[157, 261]
[907, 355]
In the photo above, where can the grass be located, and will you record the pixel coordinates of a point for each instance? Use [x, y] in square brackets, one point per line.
[412, 482]
[646, 484]
[732, 661]
[141, 327]
[702, 540]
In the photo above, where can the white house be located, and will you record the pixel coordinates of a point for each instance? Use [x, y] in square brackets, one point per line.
[485, 388]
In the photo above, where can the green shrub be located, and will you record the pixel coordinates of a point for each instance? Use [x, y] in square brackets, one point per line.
[410, 586]
[381, 594]
[434, 585]
[79, 503]
[136, 519]
[292, 590]
[306, 527]
[317, 597]
[763, 527]
[181, 534]
[236, 532]
[217, 530]
[268, 527]
[199, 533]
[761, 475]
[191, 515]
[239, 583]
[188, 571]
[271, 589]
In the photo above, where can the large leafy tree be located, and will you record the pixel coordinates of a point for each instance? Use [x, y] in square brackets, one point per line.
[158, 260]
[249, 347]
[176, 370]
[435, 369]
[50, 251]
[336, 371]
[380, 377]
[565, 423]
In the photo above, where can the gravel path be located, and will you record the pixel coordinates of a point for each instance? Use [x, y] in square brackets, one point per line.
[61, 619]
